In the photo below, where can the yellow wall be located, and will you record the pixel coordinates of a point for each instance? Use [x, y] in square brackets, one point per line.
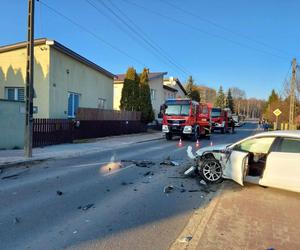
[13, 74]
[81, 79]
[52, 90]
[117, 95]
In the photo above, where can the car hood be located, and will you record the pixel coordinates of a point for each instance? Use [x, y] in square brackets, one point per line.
[218, 147]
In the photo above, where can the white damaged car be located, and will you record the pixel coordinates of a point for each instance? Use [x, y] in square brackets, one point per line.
[269, 159]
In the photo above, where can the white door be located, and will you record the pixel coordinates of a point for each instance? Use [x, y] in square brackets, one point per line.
[236, 166]
[283, 166]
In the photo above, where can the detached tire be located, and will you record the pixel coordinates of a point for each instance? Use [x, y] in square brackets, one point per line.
[211, 171]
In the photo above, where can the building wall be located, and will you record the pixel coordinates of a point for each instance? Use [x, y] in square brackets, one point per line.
[117, 95]
[13, 74]
[69, 75]
[12, 124]
[172, 83]
[157, 85]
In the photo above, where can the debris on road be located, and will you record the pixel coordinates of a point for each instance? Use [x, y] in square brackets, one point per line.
[142, 164]
[194, 190]
[58, 192]
[168, 189]
[17, 220]
[203, 182]
[185, 239]
[169, 163]
[135, 189]
[75, 232]
[86, 207]
[124, 183]
[148, 173]
[15, 176]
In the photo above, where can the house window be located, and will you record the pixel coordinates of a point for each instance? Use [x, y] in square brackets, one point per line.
[153, 94]
[101, 104]
[73, 103]
[14, 94]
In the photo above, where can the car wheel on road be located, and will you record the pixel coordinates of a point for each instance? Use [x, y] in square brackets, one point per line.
[169, 136]
[211, 171]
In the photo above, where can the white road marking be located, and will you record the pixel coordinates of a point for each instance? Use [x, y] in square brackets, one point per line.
[90, 164]
[119, 170]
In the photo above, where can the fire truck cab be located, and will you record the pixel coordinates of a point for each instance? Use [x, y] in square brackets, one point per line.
[183, 117]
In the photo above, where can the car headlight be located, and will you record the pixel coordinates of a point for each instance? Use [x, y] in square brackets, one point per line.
[165, 128]
[187, 129]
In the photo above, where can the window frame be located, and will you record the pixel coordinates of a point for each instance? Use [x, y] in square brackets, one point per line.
[16, 93]
[279, 143]
[73, 103]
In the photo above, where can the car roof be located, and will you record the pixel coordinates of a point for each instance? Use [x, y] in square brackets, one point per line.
[281, 133]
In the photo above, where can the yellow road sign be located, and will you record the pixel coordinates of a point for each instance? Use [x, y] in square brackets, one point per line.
[277, 112]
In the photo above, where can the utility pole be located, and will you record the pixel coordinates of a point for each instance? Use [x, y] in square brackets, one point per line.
[292, 95]
[29, 80]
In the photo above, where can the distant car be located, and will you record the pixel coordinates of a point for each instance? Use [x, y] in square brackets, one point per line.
[268, 159]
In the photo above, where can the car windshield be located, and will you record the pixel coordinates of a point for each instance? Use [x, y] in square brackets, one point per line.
[178, 109]
[256, 145]
[215, 112]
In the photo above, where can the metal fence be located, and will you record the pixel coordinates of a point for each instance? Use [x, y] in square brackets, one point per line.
[57, 131]
[52, 131]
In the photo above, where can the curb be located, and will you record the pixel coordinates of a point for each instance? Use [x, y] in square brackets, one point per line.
[197, 223]
[40, 159]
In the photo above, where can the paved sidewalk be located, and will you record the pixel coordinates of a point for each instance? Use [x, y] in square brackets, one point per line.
[8, 157]
[250, 217]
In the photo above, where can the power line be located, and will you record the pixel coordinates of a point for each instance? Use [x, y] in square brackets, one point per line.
[91, 33]
[219, 26]
[203, 31]
[138, 35]
[148, 37]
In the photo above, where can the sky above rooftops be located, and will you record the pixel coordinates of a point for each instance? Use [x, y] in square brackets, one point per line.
[247, 44]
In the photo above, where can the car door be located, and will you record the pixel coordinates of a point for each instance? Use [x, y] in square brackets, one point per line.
[283, 166]
[236, 166]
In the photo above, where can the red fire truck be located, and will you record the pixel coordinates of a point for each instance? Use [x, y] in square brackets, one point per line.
[221, 120]
[185, 117]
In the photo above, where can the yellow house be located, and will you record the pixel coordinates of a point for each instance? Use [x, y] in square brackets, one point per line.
[157, 90]
[63, 80]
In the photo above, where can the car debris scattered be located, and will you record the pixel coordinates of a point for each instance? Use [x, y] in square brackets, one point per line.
[148, 173]
[124, 183]
[142, 164]
[59, 193]
[169, 163]
[185, 239]
[17, 220]
[86, 207]
[168, 189]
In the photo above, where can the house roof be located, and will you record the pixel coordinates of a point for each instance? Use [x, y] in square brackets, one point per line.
[151, 76]
[178, 83]
[170, 88]
[58, 46]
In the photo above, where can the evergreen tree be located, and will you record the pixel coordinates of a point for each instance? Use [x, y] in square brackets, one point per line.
[229, 101]
[220, 100]
[192, 90]
[130, 91]
[189, 85]
[145, 98]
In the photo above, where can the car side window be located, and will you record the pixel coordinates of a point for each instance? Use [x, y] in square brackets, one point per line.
[289, 145]
[255, 145]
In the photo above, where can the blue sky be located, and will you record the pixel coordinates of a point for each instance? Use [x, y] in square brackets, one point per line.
[247, 44]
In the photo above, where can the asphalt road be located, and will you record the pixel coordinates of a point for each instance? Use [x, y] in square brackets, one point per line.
[103, 206]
